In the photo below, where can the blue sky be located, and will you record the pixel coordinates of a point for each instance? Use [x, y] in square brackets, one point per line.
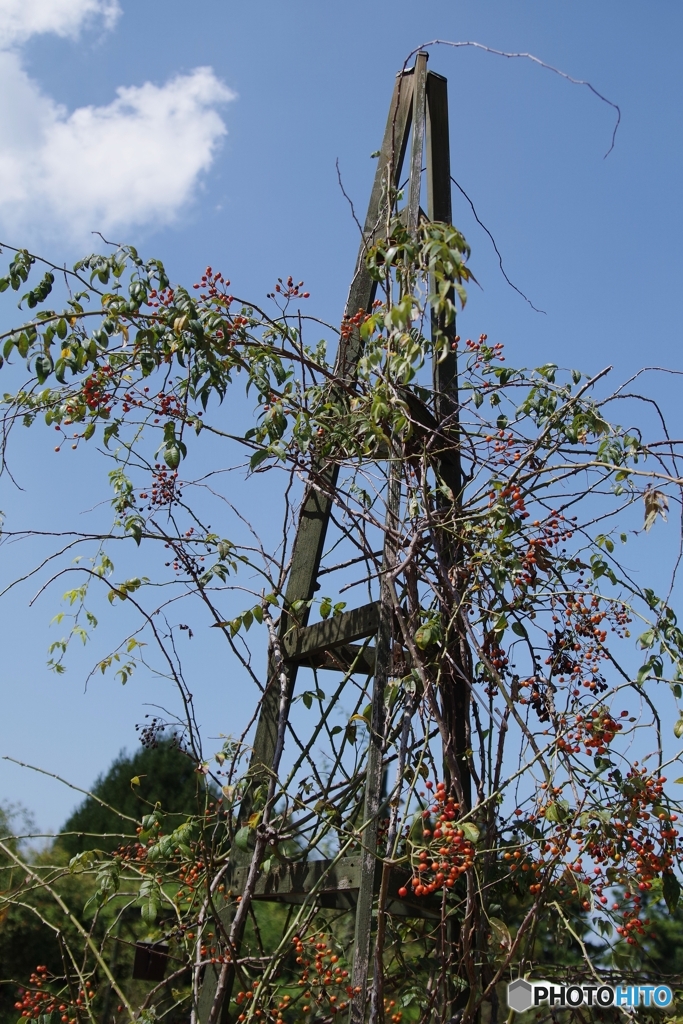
[207, 133]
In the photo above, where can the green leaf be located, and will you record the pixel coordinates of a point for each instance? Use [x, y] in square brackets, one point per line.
[325, 607]
[242, 838]
[307, 698]
[671, 891]
[423, 636]
[646, 639]
[530, 830]
[258, 457]
[149, 911]
[678, 729]
[172, 456]
[500, 934]
[111, 430]
[518, 628]
[43, 367]
[134, 526]
[83, 861]
[554, 812]
[471, 831]
[643, 672]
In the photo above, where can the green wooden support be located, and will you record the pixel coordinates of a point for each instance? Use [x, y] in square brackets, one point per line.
[317, 503]
[374, 771]
[419, 103]
[454, 690]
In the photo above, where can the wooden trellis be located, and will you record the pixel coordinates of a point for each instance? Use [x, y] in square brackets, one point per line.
[420, 103]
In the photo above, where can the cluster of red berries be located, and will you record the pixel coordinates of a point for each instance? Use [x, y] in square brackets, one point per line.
[164, 488]
[165, 297]
[507, 450]
[37, 1001]
[214, 285]
[540, 696]
[521, 860]
[95, 393]
[189, 875]
[351, 323]
[209, 951]
[130, 401]
[231, 327]
[537, 554]
[644, 794]
[168, 406]
[636, 845]
[288, 290]
[324, 979]
[185, 562]
[396, 1016]
[482, 352]
[494, 653]
[584, 637]
[555, 529]
[131, 853]
[446, 854]
[510, 454]
[596, 731]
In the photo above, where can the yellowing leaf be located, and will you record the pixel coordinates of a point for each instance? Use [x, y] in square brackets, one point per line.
[656, 504]
[471, 831]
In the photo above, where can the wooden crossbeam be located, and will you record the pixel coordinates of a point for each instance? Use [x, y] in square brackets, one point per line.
[334, 885]
[349, 658]
[333, 632]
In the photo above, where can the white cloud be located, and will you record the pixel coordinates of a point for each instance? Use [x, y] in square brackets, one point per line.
[20, 19]
[134, 162]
